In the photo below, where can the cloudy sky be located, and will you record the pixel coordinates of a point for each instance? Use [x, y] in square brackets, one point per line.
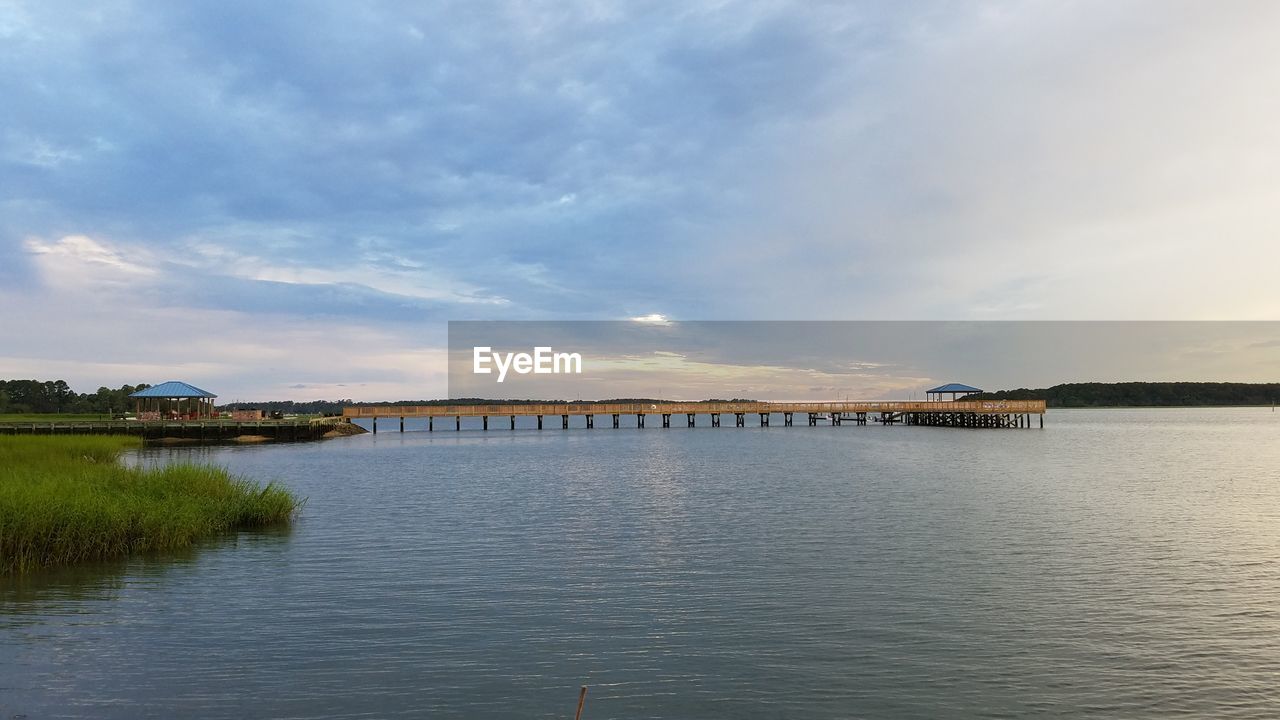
[289, 200]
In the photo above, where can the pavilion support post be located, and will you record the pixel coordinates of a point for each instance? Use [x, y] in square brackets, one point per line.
[691, 418]
[615, 421]
[591, 422]
[639, 420]
[564, 422]
[457, 423]
[739, 419]
[375, 424]
[513, 422]
[539, 422]
[431, 423]
[485, 420]
[401, 423]
[764, 419]
[666, 420]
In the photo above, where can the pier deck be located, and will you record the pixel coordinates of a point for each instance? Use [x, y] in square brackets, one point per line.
[961, 413]
[201, 430]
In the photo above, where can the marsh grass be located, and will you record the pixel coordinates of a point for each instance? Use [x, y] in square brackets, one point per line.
[46, 418]
[67, 499]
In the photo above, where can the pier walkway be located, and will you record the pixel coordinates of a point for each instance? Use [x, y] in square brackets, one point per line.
[960, 413]
[198, 430]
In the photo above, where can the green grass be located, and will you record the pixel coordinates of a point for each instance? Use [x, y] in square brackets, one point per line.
[67, 499]
[50, 417]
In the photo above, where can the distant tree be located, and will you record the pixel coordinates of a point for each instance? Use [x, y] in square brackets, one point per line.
[1145, 394]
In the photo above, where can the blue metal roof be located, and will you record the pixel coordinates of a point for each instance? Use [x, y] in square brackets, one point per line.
[955, 388]
[173, 389]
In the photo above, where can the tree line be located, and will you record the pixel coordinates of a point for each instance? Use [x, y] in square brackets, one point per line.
[56, 396]
[1145, 394]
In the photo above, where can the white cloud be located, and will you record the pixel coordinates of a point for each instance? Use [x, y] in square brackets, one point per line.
[652, 319]
[77, 259]
[1092, 160]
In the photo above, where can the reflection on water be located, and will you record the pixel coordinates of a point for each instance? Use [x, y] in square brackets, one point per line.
[88, 589]
[1119, 563]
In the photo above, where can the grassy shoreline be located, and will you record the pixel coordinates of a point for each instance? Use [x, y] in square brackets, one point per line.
[67, 499]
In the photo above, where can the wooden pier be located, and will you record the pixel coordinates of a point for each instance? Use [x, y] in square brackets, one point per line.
[195, 430]
[956, 414]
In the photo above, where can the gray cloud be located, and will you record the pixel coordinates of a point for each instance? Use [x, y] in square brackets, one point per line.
[391, 167]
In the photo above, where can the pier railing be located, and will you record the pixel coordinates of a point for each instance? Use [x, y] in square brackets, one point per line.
[993, 407]
[207, 429]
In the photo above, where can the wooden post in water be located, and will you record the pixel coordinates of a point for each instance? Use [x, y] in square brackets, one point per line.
[582, 699]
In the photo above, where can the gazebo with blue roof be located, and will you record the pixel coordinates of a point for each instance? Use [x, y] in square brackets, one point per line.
[952, 389]
[173, 400]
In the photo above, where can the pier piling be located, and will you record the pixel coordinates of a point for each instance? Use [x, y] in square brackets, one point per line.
[1003, 414]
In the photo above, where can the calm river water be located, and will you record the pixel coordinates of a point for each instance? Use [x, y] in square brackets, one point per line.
[1121, 563]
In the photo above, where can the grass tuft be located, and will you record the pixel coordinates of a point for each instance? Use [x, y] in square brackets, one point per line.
[67, 499]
